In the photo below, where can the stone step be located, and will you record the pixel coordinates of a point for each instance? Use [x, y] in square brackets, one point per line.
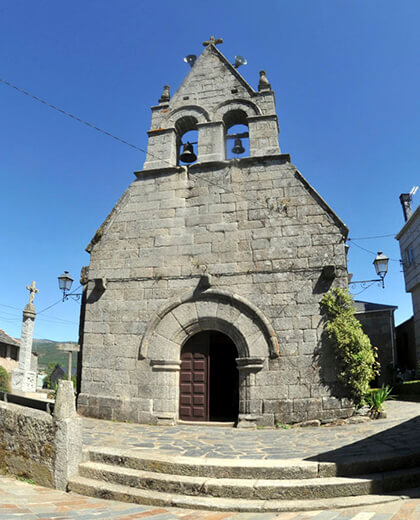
[254, 489]
[251, 468]
[107, 490]
[211, 468]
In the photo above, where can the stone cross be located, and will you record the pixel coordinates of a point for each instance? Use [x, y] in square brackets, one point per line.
[32, 291]
[23, 378]
[213, 41]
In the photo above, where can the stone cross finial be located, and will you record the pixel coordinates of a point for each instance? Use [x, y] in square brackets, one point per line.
[32, 291]
[213, 41]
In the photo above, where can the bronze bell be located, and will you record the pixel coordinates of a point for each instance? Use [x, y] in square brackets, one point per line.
[237, 147]
[188, 155]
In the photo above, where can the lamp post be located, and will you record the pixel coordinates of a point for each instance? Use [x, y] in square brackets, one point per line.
[64, 283]
[381, 268]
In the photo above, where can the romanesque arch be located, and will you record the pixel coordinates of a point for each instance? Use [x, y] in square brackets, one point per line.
[209, 310]
[222, 311]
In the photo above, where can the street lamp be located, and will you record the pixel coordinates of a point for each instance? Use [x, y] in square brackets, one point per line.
[381, 268]
[64, 283]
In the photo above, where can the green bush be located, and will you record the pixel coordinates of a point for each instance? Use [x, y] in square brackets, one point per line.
[355, 355]
[4, 380]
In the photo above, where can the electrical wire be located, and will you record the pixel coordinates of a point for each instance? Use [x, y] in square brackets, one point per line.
[371, 238]
[76, 118]
[372, 252]
[55, 303]
[119, 139]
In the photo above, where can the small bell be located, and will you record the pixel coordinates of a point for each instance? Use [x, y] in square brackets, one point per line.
[237, 147]
[188, 155]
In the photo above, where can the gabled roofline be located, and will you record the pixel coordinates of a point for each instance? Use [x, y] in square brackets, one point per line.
[216, 52]
[343, 228]
[8, 340]
[108, 221]
[233, 70]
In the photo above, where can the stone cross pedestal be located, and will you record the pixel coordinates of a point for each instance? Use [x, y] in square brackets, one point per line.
[23, 378]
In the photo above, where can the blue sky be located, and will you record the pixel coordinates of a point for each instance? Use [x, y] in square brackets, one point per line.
[347, 81]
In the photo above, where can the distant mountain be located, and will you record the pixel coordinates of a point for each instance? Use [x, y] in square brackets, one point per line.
[47, 353]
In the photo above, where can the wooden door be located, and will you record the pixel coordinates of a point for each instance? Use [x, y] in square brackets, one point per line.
[194, 379]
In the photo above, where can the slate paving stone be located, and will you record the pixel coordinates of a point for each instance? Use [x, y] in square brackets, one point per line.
[399, 433]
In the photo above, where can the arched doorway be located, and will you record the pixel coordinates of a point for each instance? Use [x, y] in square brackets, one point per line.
[209, 379]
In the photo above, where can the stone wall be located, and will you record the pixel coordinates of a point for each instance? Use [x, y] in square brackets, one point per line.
[34, 445]
[409, 239]
[262, 233]
[379, 326]
[27, 443]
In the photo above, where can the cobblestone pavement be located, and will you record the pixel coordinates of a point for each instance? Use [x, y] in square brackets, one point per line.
[22, 501]
[399, 433]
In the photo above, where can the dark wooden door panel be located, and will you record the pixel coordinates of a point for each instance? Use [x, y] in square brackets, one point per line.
[193, 401]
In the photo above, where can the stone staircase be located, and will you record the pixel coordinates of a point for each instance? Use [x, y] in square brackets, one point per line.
[243, 484]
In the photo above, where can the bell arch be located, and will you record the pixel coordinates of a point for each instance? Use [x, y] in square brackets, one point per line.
[250, 108]
[198, 113]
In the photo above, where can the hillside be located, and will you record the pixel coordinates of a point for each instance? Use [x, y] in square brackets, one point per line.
[47, 353]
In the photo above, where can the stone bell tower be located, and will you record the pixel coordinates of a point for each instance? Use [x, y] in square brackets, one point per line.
[202, 296]
[227, 100]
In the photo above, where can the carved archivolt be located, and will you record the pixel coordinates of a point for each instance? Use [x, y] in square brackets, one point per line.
[250, 108]
[187, 112]
[216, 310]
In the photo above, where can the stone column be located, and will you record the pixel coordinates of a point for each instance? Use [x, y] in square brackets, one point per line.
[68, 436]
[263, 135]
[166, 390]
[211, 141]
[23, 378]
[250, 407]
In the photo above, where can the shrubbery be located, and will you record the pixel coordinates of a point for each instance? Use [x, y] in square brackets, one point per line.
[4, 380]
[354, 353]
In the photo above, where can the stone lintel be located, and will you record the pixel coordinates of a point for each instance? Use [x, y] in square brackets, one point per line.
[263, 117]
[68, 347]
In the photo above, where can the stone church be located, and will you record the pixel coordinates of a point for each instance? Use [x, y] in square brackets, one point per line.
[201, 300]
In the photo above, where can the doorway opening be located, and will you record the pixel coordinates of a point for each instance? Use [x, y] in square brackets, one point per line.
[209, 379]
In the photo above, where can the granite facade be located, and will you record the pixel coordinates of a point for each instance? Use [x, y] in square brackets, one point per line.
[245, 247]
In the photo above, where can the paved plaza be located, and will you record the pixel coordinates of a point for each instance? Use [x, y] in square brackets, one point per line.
[397, 434]
[22, 501]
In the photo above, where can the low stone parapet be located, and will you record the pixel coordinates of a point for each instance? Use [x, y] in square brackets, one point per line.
[37, 446]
